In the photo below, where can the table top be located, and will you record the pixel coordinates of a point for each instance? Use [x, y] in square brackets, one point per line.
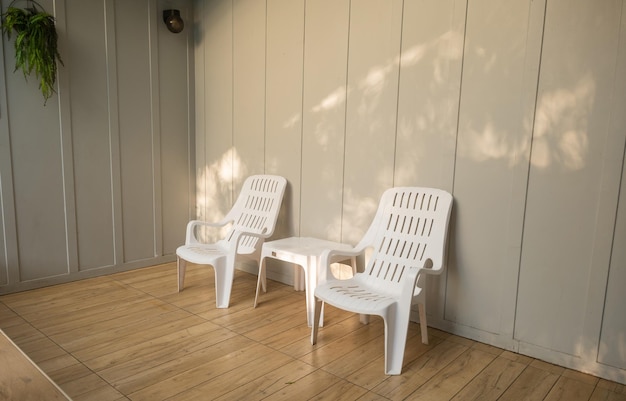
[304, 245]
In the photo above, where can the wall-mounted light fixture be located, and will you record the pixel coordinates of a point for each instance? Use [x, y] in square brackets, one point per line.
[173, 21]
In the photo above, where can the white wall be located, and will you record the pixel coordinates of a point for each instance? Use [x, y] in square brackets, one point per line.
[100, 178]
[514, 107]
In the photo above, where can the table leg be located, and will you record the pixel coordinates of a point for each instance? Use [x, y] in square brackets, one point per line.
[298, 279]
[311, 280]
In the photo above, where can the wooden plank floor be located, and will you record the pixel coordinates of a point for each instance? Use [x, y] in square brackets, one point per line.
[132, 336]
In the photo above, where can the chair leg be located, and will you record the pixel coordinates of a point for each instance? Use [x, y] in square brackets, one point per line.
[423, 326]
[396, 328]
[260, 281]
[264, 277]
[181, 265]
[223, 284]
[309, 288]
[316, 320]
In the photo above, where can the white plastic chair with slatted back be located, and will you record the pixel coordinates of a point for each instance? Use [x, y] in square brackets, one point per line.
[407, 238]
[252, 219]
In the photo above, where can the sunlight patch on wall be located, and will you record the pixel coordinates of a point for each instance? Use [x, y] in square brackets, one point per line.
[413, 55]
[292, 121]
[490, 143]
[215, 184]
[448, 47]
[561, 126]
[489, 62]
[334, 99]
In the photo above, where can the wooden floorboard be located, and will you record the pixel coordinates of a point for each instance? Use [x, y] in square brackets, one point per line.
[133, 336]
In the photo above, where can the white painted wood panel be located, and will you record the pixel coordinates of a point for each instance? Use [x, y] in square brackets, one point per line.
[200, 14]
[612, 350]
[176, 130]
[38, 187]
[4, 272]
[35, 146]
[323, 117]
[91, 134]
[374, 49]
[7, 206]
[492, 152]
[249, 87]
[612, 337]
[137, 148]
[283, 105]
[218, 160]
[564, 239]
[6, 183]
[428, 99]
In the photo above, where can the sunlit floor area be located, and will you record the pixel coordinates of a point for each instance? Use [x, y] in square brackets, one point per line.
[132, 336]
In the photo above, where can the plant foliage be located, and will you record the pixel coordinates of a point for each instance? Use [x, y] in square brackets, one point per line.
[35, 45]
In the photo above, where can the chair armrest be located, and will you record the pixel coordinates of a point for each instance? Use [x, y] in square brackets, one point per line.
[410, 290]
[430, 269]
[327, 257]
[190, 237]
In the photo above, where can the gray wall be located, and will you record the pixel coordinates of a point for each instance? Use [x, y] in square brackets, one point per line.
[100, 179]
[517, 108]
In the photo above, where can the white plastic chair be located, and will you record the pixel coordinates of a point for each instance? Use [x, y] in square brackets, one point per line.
[252, 218]
[407, 238]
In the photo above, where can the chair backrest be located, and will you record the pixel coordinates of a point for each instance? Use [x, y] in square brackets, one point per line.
[256, 210]
[409, 229]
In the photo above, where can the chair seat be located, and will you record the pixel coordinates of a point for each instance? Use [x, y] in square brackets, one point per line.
[204, 254]
[354, 295]
[201, 253]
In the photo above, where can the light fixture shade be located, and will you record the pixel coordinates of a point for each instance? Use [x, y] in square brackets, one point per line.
[173, 21]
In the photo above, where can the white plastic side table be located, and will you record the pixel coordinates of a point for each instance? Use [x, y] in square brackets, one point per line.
[303, 252]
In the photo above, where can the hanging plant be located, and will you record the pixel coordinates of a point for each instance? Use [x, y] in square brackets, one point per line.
[35, 43]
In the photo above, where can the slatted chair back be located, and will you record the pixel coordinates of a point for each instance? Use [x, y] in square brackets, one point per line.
[256, 211]
[408, 231]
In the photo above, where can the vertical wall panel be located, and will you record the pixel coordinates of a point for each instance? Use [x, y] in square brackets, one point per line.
[4, 202]
[430, 77]
[493, 149]
[37, 174]
[428, 99]
[612, 344]
[200, 11]
[283, 115]
[7, 207]
[8, 233]
[564, 234]
[6, 183]
[176, 85]
[6, 187]
[135, 129]
[90, 133]
[4, 272]
[249, 87]
[324, 109]
[219, 158]
[374, 49]
[612, 350]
